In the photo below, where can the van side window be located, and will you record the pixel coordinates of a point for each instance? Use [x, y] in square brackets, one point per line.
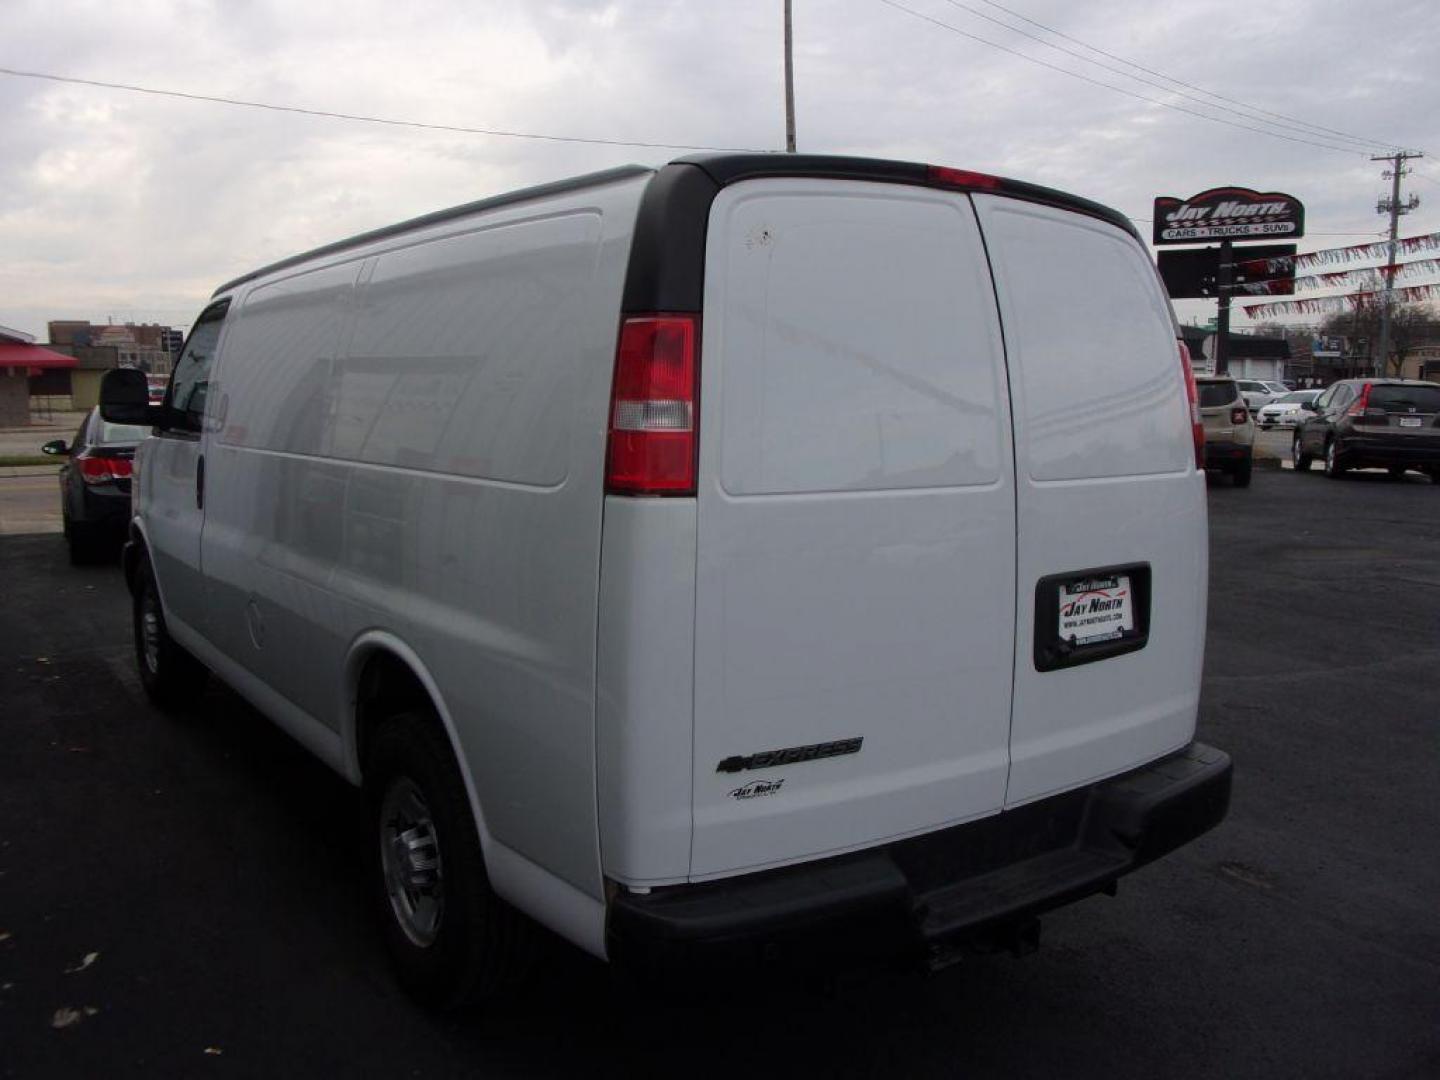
[191, 380]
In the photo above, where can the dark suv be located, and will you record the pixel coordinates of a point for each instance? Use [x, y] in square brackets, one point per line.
[1372, 423]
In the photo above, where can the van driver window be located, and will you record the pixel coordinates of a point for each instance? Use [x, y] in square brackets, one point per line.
[191, 379]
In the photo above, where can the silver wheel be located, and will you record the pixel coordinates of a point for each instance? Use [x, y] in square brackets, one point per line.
[410, 858]
[1332, 467]
[150, 631]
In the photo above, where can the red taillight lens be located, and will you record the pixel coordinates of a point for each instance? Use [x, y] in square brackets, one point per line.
[1239, 416]
[1197, 425]
[95, 469]
[652, 407]
[1361, 403]
[944, 176]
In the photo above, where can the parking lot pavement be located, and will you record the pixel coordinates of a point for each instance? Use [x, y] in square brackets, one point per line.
[41, 429]
[1273, 444]
[214, 870]
[29, 501]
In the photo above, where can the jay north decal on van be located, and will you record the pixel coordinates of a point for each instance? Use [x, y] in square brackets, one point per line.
[756, 788]
[770, 758]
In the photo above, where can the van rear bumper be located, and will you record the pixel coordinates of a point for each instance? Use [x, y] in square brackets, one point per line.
[928, 898]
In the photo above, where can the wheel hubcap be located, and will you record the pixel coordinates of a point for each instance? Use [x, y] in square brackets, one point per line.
[150, 631]
[410, 860]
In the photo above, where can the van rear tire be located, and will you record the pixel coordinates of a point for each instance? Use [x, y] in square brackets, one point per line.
[1241, 474]
[172, 678]
[451, 940]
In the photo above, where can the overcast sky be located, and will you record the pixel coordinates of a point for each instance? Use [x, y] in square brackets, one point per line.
[134, 206]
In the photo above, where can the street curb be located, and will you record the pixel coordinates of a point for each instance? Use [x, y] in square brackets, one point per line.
[29, 470]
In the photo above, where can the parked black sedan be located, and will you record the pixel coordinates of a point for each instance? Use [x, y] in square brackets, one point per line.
[1391, 424]
[95, 485]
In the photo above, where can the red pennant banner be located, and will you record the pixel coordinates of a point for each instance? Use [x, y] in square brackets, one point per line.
[1324, 305]
[1372, 277]
[1379, 249]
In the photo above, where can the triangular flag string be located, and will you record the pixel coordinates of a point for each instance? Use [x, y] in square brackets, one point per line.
[1372, 277]
[1379, 249]
[1320, 305]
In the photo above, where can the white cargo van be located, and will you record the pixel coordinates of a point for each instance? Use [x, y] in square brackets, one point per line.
[761, 558]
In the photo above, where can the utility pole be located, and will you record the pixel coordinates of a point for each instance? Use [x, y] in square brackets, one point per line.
[789, 84]
[1394, 207]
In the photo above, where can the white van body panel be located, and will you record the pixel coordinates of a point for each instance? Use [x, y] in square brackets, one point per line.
[856, 520]
[1106, 476]
[644, 696]
[914, 403]
[412, 443]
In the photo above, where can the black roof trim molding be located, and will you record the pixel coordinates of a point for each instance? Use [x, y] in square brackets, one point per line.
[731, 168]
[539, 191]
[667, 254]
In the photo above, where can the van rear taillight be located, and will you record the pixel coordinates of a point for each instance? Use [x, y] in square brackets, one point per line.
[944, 176]
[653, 407]
[1197, 425]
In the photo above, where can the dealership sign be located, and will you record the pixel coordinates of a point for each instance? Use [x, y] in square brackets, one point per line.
[1228, 213]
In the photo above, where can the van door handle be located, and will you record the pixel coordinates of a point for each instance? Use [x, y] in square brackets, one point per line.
[200, 483]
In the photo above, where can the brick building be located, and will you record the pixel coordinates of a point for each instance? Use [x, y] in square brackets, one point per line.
[147, 346]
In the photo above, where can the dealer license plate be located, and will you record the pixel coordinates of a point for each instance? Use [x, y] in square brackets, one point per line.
[1096, 609]
[1409, 421]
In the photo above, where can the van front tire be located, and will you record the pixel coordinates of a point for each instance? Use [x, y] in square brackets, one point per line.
[172, 678]
[451, 940]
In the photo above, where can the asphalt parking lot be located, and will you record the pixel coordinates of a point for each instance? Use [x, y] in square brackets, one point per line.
[213, 870]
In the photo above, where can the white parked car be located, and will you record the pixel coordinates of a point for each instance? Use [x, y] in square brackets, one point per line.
[1258, 393]
[687, 559]
[1287, 410]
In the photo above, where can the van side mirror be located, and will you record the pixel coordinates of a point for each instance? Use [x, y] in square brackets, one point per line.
[54, 447]
[1309, 406]
[125, 398]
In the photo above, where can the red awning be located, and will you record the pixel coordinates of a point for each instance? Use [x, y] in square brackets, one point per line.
[35, 357]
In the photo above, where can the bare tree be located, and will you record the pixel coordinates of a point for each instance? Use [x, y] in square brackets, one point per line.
[1411, 325]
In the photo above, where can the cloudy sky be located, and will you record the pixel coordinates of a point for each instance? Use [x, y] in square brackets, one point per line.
[135, 206]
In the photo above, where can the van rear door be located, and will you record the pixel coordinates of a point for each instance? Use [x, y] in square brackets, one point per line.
[856, 523]
[1109, 500]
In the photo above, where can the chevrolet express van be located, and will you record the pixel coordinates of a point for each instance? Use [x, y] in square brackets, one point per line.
[758, 559]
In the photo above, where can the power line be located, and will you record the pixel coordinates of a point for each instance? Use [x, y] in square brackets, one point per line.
[1180, 82]
[1367, 144]
[1118, 89]
[454, 128]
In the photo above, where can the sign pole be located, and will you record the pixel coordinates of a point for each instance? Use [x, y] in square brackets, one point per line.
[1223, 285]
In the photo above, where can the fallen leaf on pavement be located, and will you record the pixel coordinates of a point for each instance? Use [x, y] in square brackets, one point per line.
[89, 958]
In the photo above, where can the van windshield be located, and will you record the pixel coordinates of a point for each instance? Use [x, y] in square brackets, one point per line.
[1217, 393]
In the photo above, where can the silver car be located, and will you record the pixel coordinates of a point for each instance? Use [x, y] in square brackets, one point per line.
[1287, 410]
